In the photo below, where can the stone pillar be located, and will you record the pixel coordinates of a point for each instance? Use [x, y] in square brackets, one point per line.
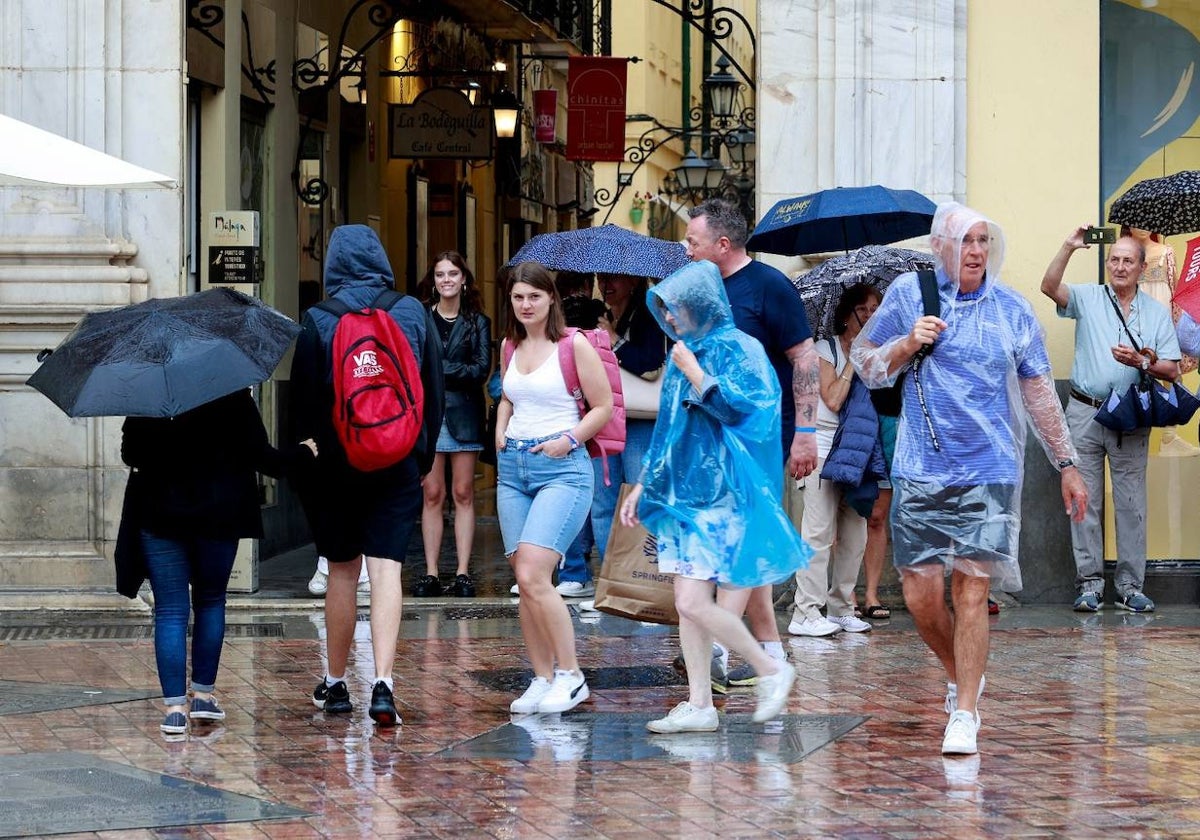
[859, 92]
[109, 75]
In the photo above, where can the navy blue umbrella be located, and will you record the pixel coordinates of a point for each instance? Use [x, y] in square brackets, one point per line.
[607, 249]
[841, 219]
[164, 356]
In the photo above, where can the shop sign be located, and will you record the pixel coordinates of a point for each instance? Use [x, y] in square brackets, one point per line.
[440, 123]
[545, 113]
[234, 237]
[595, 108]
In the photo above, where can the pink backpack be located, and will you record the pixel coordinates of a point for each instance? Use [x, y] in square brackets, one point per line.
[610, 440]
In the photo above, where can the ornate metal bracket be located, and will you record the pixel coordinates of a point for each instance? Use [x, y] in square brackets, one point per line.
[204, 17]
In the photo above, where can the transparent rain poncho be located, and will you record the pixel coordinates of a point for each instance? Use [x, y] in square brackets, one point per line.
[959, 453]
[712, 474]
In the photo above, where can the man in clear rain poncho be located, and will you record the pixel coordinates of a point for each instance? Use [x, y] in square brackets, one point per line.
[958, 463]
[710, 489]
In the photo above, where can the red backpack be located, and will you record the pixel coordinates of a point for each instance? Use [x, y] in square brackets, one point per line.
[610, 440]
[378, 398]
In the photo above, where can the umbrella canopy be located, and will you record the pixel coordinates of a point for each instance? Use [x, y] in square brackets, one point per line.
[32, 157]
[1165, 206]
[876, 265]
[841, 219]
[165, 356]
[607, 249]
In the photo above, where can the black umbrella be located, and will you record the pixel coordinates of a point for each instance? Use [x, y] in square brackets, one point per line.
[164, 356]
[875, 265]
[1166, 206]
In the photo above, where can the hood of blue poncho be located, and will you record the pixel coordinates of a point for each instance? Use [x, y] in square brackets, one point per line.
[356, 257]
[695, 296]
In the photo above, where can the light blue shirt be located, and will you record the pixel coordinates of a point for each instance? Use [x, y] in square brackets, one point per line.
[1098, 329]
[1188, 332]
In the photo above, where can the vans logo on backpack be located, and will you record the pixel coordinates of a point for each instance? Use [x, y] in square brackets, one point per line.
[366, 364]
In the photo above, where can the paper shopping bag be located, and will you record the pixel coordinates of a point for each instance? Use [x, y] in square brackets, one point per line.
[630, 584]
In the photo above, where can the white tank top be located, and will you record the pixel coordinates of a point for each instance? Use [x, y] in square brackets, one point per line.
[541, 404]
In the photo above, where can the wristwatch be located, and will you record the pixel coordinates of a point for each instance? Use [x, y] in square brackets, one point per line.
[1145, 363]
[1064, 463]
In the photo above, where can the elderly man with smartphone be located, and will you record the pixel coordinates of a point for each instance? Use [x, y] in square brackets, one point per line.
[1120, 333]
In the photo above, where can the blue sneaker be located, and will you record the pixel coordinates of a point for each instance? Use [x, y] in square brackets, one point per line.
[206, 709]
[175, 723]
[1135, 602]
[1090, 602]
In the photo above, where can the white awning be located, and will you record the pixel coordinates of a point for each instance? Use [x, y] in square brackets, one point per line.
[30, 156]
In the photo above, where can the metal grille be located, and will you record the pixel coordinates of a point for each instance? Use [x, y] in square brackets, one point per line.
[122, 632]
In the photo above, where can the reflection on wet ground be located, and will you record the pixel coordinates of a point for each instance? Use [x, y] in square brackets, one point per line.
[1089, 729]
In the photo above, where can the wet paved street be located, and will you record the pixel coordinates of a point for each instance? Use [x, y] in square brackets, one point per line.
[1091, 728]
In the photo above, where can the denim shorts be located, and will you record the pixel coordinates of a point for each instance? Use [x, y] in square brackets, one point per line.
[447, 443]
[541, 500]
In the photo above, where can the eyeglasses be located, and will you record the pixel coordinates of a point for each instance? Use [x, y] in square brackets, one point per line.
[981, 241]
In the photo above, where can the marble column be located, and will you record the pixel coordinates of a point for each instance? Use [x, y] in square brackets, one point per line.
[109, 74]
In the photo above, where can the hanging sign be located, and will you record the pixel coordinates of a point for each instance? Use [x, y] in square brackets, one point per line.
[233, 242]
[595, 108]
[545, 113]
[440, 123]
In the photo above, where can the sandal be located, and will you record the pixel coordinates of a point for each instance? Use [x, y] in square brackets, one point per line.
[877, 611]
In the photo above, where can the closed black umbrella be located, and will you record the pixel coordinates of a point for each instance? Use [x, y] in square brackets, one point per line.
[1167, 206]
[165, 356]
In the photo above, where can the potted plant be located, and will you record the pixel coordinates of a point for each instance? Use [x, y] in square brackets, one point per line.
[637, 207]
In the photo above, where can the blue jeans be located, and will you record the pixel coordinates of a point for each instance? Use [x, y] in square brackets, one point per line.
[173, 565]
[575, 559]
[541, 500]
[625, 467]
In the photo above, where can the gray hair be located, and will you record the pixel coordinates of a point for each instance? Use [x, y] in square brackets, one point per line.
[723, 219]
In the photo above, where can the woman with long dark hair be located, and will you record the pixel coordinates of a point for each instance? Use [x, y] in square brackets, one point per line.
[452, 295]
[544, 488]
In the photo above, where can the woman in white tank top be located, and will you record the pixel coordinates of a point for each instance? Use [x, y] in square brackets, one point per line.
[544, 485]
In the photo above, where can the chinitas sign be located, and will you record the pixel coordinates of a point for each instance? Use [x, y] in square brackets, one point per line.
[440, 123]
[234, 237]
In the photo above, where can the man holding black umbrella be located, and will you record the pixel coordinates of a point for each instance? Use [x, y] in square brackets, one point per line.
[1109, 320]
[766, 306]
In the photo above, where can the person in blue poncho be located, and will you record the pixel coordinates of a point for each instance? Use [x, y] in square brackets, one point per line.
[710, 489]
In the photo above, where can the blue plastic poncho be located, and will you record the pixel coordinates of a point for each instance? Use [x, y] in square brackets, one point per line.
[712, 475]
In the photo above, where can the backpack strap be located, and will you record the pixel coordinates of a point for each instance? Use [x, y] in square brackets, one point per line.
[333, 306]
[930, 302]
[570, 373]
[386, 299]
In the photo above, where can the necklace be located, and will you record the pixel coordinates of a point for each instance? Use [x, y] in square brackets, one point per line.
[449, 319]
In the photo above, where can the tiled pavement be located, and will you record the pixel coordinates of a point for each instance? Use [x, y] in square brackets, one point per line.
[1091, 728]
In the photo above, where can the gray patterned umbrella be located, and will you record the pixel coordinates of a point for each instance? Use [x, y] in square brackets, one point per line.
[1167, 206]
[607, 249]
[876, 265]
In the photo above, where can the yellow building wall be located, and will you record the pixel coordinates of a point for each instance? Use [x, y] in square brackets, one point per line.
[1033, 164]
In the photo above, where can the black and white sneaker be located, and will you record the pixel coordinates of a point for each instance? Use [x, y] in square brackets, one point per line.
[568, 690]
[383, 705]
[332, 699]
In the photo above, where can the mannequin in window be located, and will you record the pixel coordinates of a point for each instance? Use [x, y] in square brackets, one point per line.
[1158, 281]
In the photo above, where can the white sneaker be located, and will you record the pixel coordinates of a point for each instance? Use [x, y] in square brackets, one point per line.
[587, 606]
[514, 590]
[685, 718]
[850, 624]
[951, 705]
[568, 690]
[960, 735]
[576, 589]
[773, 691]
[819, 626]
[527, 703]
[319, 583]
